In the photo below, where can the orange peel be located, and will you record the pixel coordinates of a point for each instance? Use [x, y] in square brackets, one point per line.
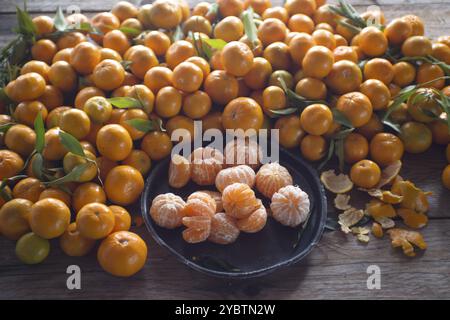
[406, 239]
[412, 219]
[340, 183]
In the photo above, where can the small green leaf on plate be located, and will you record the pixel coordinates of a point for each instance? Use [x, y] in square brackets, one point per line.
[130, 31]
[340, 118]
[216, 44]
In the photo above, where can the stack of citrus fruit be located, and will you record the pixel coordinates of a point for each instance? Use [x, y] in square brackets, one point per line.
[95, 101]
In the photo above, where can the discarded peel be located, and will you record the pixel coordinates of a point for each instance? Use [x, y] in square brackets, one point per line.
[341, 202]
[412, 219]
[389, 173]
[406, 239]
[340, 183]
[349, 218]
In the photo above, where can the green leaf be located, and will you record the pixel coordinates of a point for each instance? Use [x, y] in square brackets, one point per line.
[125, 102]
[40, 133]
[126, 64]
[391, 125]
[72, 176]
[5, 126]
[216, 44]
[249, 26]
[59, 20]
[343, 134]
[143, 125]
[340, 118]
[330, 154]
[284, 112]
[26, 26]
[177, 34]
[130, 31]
[37, 165]
[71, 144]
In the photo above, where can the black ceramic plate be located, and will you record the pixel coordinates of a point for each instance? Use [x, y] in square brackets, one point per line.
[251, 255]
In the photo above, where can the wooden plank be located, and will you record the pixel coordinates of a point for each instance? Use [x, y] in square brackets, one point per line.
[336, 269]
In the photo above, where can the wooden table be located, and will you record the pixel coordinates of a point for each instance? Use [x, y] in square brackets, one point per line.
[336, 269]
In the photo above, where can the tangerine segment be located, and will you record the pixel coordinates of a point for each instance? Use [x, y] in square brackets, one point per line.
[223, 229]
[179, 171]
[217, 196]
[205, 165]
[255, 222]
[241, 174]
[271, 177]
[238, 152]
[239, 200]
[290, 206]
[199, 204]
[166, 210]
[198, 228]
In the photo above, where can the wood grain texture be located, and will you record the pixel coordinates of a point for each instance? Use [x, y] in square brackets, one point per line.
[336, 269]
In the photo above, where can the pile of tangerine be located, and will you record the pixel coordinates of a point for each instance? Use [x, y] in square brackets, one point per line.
[220, 216]
[245, 79]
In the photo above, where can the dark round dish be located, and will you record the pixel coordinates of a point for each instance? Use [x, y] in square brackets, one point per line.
[251, 255]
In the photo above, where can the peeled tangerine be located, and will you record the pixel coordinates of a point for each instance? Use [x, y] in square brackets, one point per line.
[241, 174]
[179, 171]
[243, 151]
[271, 177]
[239, 200]
[199, 204]
[255, 222]
[223, 229]
[217, 196]
[198, 228]
[290, 206]
[167, 210]
[205, 165]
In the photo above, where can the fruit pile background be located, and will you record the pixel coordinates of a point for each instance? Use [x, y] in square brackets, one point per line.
[419, 181]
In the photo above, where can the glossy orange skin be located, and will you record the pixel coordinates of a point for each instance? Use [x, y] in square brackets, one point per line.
[142, 59]
[197, 105]
[221, 87]
[242, 113]
[133, 114]
[311, 88]
[446, 177]
[356, 107]
[307, 7]
[10, 164]
[43, 24]
[372, 41]
[49, 218]
[428, 72]
[29, 86]
[158, 41]
[20, 139]
[299, 45]
[157, 145]
[276, 12]
[56, 194]
[313, 148]
[324, 38]
[377, 92]
[168, 102]
[397, 31]
[76, 122]
[372, 127]
[104, 166]
[316, 119]
[365, 174]
[27, 111]
[139, 160]
[416, 137]
[95, 221]
[122, 254]
[274, 98]
[356, 148]
[278, 55]
[116, 40]
[28, 188]
[44, 50]
[53, 149]
[114, 142]
[178, 52]
[87, 193]
[157, 78]
[386, 148]
[237, 58]
[441, 52]
[36, 66]
[404, 73]
[318, 62]
[108, 75]
[345, 76]
[187, 77]
[229, 29]
[345, 53]
[122, 218]
[14, 218]
[73, 243]
[69, 41]
[290, 131]
[271, 30]
[84, 57]
[63, 76]
[380, 69]
[123, 185]
[417, 46]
